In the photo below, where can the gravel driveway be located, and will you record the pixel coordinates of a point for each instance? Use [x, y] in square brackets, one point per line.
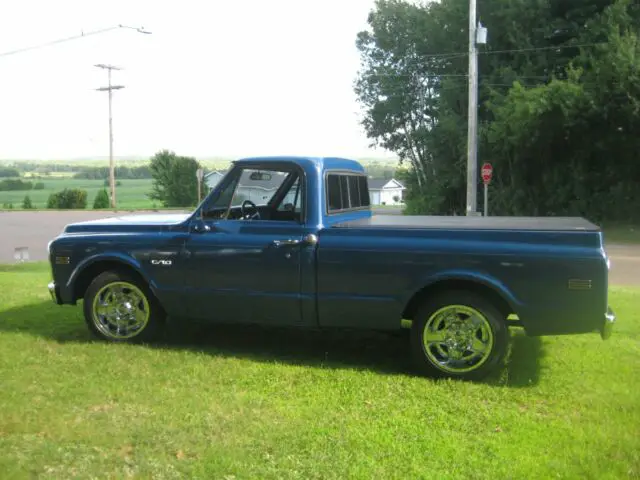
[35, 229]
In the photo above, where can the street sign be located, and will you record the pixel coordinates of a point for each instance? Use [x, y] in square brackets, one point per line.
[487, 173]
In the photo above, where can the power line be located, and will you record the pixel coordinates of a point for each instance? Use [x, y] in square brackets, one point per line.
[74, 37]
[446, 56]
[448, 75]
[535, 49]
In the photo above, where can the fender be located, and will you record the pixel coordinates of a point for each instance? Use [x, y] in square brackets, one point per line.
[486, 280]
[125, 260]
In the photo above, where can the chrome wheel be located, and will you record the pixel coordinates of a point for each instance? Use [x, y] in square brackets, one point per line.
[120, 310]
[457, 339]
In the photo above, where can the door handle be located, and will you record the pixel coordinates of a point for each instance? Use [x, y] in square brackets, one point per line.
[310, 239]
[290, 241]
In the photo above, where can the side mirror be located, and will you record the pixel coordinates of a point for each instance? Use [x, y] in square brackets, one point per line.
[200, 227]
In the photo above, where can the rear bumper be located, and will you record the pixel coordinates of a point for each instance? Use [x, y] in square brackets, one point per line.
[55, 294]
[607, 326]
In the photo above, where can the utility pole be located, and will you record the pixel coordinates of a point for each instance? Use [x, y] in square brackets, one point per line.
[472, 129]
[112, 170]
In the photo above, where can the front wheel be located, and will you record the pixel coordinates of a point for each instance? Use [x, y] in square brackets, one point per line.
[458, 334]
[120, 308]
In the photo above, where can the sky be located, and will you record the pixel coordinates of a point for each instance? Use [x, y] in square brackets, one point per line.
[226, 78]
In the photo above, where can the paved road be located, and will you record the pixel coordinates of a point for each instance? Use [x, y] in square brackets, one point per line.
[35, 229]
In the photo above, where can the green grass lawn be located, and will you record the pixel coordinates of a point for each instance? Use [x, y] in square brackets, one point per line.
[248, 403]
[625, 234]
[131, 194]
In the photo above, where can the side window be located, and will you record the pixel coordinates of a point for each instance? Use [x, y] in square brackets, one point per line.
[225, 196]
[292, 201]
[333, 192]
[257, 185]
[346, 191]
[363, 188]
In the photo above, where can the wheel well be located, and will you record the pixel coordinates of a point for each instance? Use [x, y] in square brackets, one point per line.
[445, 285]
[95, 269]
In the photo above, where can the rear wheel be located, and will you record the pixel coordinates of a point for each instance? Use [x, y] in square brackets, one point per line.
[118, 307]
[458, 334]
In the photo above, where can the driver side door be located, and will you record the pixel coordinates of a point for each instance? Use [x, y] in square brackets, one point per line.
[243, 267]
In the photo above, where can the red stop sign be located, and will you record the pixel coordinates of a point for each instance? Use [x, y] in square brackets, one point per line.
[487, 172]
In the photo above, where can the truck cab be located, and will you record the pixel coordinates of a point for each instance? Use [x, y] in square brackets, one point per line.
[253, 254]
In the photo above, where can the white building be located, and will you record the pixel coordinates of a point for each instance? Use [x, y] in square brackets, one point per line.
[386, 192]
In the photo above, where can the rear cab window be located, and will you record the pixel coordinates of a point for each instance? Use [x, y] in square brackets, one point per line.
[346, 191]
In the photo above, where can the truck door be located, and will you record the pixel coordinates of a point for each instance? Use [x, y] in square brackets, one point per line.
[245, 254]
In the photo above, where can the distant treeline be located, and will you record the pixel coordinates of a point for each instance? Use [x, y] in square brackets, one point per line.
[102, 173]
[9, 172]
[12, 185]
[41, 167]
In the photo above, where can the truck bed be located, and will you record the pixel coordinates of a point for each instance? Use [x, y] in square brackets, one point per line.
[549, 224]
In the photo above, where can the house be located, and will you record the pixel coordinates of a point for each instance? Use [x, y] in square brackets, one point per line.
[385, 192]
[211, 179]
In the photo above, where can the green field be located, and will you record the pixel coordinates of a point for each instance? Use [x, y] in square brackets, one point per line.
[253, 403]
[130, 195]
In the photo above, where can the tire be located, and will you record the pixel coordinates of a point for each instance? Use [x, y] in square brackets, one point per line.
[135, 317]
[458, 334]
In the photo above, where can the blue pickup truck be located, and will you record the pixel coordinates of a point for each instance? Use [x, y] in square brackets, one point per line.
[292, 241]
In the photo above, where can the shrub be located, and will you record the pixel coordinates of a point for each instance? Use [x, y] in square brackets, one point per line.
[106, 183]
[101, 200]
[68, 198]
[26, 203]
[38, 186]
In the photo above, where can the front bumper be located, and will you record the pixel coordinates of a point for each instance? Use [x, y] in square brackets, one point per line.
[607, 327]
[53, 291]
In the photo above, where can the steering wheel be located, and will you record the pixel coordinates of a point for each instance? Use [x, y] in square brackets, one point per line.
[243, 210]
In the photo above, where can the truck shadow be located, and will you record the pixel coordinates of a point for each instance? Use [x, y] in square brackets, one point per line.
[375, 351]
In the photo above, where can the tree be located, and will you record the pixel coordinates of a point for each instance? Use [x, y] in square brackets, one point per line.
[558, 73]
[101, 200]
[174, 179]
[26, 203]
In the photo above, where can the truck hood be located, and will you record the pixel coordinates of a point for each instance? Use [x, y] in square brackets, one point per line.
[128, 223]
